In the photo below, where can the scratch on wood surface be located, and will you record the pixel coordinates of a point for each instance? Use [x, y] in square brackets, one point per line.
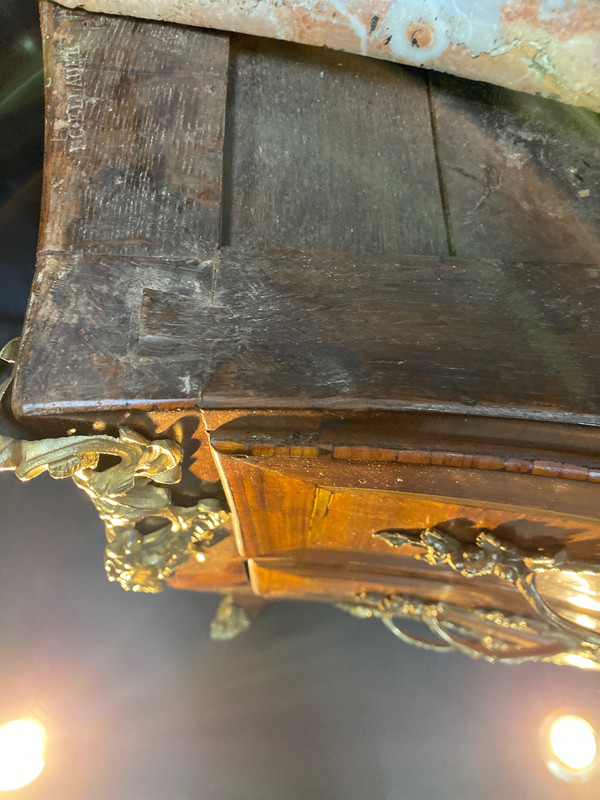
[216, 263]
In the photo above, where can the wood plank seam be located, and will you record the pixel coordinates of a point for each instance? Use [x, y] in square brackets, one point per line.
[440, 169]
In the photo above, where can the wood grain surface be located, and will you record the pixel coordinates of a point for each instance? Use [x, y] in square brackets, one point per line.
[134, 135]
[328, 151]
[307, 329]
[521, 174]
[545, 449]
[276, 500]
[163, 142]
[280, 579]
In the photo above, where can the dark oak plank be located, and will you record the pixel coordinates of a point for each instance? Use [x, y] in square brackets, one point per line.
[329, 151]
[133, 306]
[521, 173]
[134, 134]
[278, 328]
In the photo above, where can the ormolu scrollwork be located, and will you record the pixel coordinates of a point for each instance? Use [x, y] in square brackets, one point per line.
[488, 633]
[478, 632]
[128, 495]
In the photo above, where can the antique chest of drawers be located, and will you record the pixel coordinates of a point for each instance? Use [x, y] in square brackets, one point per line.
[308, 325]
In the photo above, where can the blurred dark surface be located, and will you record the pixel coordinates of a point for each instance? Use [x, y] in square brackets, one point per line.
[21, 149]
[139, 703]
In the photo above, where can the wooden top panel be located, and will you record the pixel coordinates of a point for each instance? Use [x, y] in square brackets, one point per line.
[521, 173]
[329, 151]
[260, 329]
[134, 304]
[134, 135]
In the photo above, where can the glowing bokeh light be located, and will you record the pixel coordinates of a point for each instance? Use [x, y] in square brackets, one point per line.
[577, 660]
[22, 744]
[573, 742]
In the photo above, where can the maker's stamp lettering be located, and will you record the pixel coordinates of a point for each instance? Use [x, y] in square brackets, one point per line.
[75, 98]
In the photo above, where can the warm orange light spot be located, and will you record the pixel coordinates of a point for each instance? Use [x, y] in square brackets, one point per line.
[22, 744]
[573, 742]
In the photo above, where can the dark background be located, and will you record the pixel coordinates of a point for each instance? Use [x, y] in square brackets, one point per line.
[141, 705]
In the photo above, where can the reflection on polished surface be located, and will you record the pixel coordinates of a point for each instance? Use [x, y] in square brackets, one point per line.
[577, 660]
[22, 744]
[579, 591]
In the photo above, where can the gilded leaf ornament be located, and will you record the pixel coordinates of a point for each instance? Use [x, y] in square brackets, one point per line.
[488, 633]
[480, 633]
[127, 494]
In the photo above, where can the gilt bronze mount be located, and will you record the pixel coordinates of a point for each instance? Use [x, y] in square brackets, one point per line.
[487, 633]
[128, 495]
